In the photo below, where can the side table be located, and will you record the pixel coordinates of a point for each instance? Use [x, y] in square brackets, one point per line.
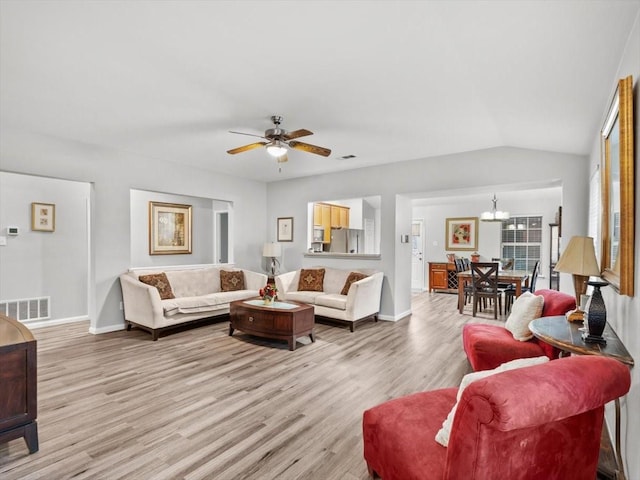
[18, 405]
[567, 336]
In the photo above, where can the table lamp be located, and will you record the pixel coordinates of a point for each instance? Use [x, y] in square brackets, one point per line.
[579, 259]
[272, 251]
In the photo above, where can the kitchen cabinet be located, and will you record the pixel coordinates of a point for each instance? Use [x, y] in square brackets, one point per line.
[330, 216]
[443, 276]
[317, 215]
[322, 218]
[339, 216]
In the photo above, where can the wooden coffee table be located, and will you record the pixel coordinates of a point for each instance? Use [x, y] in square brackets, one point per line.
[281, 320]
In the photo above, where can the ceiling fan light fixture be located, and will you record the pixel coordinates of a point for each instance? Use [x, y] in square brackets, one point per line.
[276, 149]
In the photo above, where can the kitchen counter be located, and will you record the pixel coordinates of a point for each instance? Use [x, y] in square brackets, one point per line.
[368, 256]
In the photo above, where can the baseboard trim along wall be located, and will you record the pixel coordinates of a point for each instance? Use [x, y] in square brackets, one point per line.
[57, 321]
[107, 329]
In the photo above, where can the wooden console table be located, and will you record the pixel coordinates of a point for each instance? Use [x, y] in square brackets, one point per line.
[567, 336]
[18, 404]
[443, 276]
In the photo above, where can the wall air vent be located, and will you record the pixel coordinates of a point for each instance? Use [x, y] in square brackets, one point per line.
[26, 309]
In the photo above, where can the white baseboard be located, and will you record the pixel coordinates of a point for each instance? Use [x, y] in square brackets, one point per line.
[107, 329]
[394, 318]
[57, 321]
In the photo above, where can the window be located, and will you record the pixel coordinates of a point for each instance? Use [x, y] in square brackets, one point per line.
[522, 241]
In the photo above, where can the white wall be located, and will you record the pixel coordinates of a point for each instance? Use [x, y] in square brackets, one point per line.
[498, 167]
[36, 263]
[202, 230]
[623, 313]
[113, 174]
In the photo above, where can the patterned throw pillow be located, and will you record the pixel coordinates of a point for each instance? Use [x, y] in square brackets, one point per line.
[353, 277]
[231, 280]
[161, 282]
[311, 280]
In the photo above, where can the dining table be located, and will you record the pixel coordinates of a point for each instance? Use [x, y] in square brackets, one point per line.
[518, 278]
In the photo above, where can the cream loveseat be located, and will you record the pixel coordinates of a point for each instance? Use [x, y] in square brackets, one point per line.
[198, 293]
[330, 296]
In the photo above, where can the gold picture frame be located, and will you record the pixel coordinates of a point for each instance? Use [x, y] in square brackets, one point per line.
[43, 217]
[618, 182]
[169, 228]
[462, 233]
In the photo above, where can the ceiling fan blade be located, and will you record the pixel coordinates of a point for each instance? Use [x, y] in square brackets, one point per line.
[297, 134]
[306, 147]
[282, 158]
[245, 148]
[249, 134]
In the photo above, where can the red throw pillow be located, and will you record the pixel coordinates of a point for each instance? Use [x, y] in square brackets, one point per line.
[231, 280]
[311, 280]
[161, 282]
[353, 277]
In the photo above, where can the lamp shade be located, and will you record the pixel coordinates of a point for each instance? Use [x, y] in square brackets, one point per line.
[579, 258]
[271, 250]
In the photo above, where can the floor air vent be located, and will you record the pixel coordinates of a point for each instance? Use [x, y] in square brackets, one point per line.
[26, 309]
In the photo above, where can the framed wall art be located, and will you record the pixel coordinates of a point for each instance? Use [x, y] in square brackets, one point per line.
[43, 217]
[285, 229]
[169, 228]
[462, 233]
[618, 184]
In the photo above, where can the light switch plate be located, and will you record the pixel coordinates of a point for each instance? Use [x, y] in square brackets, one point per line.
[3, 241]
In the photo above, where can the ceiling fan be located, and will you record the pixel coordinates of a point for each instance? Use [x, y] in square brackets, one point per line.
[278, 140]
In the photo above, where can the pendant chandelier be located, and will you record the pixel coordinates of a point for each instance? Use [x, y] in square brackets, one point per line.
[494, 215]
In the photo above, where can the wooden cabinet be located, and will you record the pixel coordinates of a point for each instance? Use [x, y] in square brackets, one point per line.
[443, 276]
[317, 215]
[339, 216]
[18, 404]
[330, 216]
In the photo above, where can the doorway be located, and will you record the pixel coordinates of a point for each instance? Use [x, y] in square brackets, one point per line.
[417, 255]
[221, 253]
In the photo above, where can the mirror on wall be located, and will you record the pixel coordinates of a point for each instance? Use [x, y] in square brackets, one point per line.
[344, 226]
[618, 191]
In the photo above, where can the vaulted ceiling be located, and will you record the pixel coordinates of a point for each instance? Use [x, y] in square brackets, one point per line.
[384, 81]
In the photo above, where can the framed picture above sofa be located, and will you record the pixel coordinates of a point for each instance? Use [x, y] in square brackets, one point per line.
[169, 228]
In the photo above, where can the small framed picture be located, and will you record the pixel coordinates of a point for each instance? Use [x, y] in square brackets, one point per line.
[285, 229]
[462, 233]
[43, 217]
[169, 228]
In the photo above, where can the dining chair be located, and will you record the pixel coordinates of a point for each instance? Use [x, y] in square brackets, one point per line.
[484, 285]
[466, 288]
[510, 293]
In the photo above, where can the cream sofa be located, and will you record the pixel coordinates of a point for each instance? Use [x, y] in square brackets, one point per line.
[197, 292]
[361, 302]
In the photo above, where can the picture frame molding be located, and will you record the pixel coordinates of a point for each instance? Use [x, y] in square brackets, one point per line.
[157, 208]
[285, 229]
[619, 271]
[37, 217]
[449, 228]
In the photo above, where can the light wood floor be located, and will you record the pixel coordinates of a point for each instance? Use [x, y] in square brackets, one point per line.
[198, 404]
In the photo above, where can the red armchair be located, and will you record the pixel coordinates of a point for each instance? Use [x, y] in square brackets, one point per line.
[488, 346]
[539, 422]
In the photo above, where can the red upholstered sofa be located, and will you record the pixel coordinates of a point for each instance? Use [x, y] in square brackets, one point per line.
[488, 346]
[538, 422]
